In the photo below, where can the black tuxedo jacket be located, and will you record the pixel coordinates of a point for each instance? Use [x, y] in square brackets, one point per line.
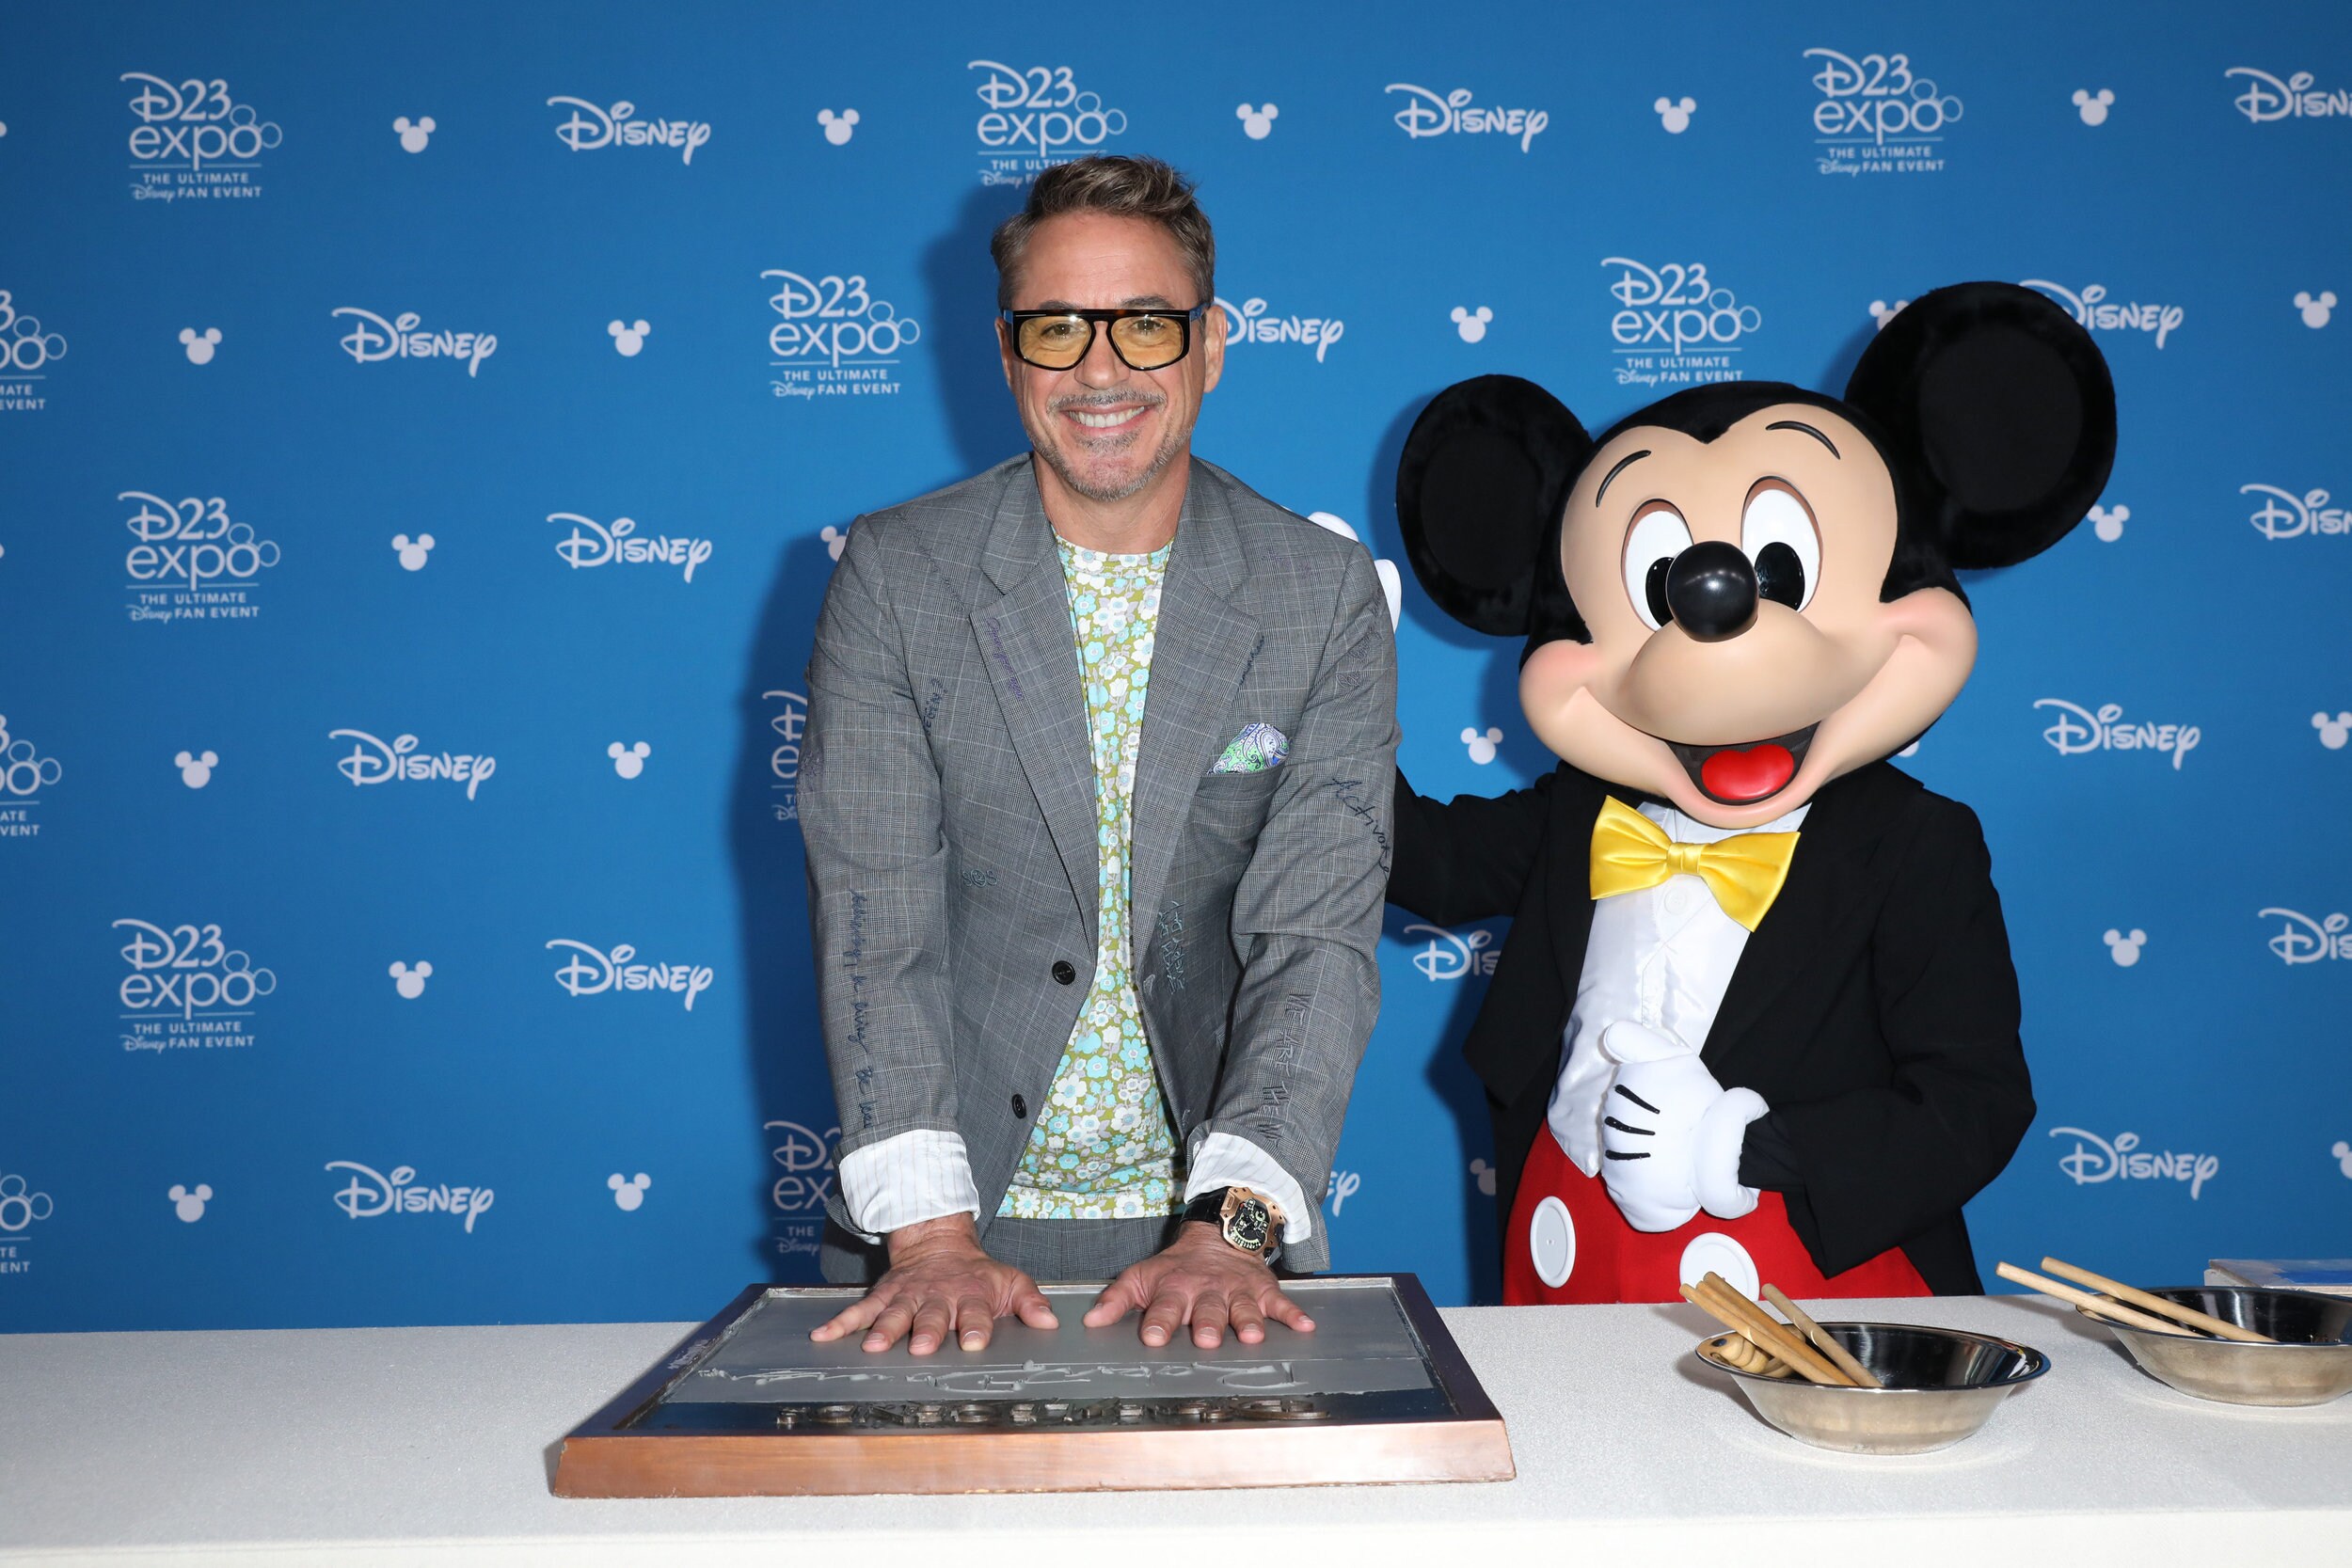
[1874, 1008]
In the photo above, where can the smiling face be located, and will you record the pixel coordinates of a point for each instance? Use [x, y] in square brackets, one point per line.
[1741, 657]
[1106, 432]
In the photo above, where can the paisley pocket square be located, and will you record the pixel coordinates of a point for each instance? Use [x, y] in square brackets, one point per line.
[1258, 748]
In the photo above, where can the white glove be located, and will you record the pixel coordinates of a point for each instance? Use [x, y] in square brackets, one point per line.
[1671, 1135]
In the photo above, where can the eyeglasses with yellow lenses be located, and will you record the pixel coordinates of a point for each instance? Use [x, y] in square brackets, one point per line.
[1145, 340]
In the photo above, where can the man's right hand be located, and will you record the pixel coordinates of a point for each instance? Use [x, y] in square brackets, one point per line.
[940, 1284]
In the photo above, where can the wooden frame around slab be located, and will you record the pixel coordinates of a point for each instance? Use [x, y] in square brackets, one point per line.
[603, 1458]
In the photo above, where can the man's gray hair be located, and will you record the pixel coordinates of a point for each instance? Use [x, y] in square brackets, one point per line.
[1119, 187]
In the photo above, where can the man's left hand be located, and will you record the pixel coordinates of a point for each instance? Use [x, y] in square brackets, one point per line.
[1200, 1281]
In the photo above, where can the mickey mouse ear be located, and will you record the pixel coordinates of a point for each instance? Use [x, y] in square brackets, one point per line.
[2006, 410]
[1485, 471]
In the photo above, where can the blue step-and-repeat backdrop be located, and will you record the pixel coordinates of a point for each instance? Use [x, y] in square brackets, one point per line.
[426, 432]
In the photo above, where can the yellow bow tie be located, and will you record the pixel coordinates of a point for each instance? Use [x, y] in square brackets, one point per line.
[1744, 872]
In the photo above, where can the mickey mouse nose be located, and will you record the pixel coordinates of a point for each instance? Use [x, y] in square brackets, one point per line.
[1711, 590]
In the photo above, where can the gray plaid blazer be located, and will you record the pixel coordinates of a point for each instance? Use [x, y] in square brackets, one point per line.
[946, 799]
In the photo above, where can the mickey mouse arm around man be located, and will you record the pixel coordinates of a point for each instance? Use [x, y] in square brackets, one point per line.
[1096, 792]
[1757, 1014]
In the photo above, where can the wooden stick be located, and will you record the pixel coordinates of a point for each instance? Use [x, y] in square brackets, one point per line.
[1749, 1342]
[2157, 1305]
[1840, 1357]
[2099, 1306]
[1768, 1331]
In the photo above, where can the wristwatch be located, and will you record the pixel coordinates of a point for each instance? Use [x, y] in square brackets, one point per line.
[1248, 1221]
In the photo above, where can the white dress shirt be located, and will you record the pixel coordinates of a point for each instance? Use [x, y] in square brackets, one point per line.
[1663, 956]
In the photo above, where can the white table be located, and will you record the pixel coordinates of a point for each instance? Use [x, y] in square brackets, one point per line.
[435, 1444]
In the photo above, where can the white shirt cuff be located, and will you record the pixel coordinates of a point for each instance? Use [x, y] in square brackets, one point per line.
[904, 1180]
[1225, 1160]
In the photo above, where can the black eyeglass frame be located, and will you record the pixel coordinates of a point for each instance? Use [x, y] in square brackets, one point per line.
[1096, 321]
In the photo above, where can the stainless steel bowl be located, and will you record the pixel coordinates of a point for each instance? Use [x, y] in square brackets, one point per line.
[1941, 1385]
[2310, 1365]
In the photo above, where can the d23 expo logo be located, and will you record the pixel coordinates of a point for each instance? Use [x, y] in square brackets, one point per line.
[805, 1175]
[190, 561]
[25, 772]
[193, 140]
[785, 725]
[187, 988]
[1035, 117]
[1877, 115]
[1674, 325]
[831, 338]
[27, 352]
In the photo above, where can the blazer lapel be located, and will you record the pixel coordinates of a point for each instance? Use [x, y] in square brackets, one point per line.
[1824, 888]
[1032, 656]
[1201, 650]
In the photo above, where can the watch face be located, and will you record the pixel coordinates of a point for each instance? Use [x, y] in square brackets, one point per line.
[1247, 1226]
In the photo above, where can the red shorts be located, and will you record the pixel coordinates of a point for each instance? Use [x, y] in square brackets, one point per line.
[1565, 1217]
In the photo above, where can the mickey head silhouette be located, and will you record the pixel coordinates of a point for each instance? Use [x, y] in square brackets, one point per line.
[2316, 309]
[408, 979]
[834, 539]
[1882, 312]
[195, 768]
[2343, 1151]
[840, 127]
[188, 1205]
[413, 551]
[2334, 732]
[1675, 114]
[414, 134]
[1482, 744]
[1484, 1174]
[629, 337]
[199, 345]
[2124, 949]
[1257, 124]
[629, 1195]
[2108, 523]
[2093, 106]
[629, 761]
[1471, 324]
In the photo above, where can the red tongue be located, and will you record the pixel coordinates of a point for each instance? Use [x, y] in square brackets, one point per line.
[1748, 775]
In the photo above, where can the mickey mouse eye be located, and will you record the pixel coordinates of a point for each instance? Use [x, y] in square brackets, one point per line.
[1776, 530]
[1658, 535]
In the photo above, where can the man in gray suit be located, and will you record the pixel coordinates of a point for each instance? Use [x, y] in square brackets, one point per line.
[1094, 972]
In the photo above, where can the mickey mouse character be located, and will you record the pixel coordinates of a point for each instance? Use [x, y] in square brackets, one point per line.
[1756, 1012]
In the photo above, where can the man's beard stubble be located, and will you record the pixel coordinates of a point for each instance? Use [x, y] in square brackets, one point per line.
[1171, 443]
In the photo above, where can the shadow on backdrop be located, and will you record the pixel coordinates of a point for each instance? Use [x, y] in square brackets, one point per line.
[975, 407]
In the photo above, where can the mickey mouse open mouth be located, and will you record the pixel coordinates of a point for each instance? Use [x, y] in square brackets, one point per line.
[1736, 775]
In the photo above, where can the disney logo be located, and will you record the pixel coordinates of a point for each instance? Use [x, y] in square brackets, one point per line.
[2094, 1159]
[375, 762]
[1248, 323]
[1448, 956]
[591, 127]
[592, 971]
[1431, 114]
[1041, 108]
[2302, 939]
[2283, 515]
[620, 542]
[808, 1161]
[371, 338]
[188, 968]
[195, 122]
[2266, 97]
[393, 1195]
[2074, 730]
[2090, 309]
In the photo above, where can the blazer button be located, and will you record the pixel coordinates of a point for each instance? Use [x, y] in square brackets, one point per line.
[1020, 1107]
[1064, 971]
